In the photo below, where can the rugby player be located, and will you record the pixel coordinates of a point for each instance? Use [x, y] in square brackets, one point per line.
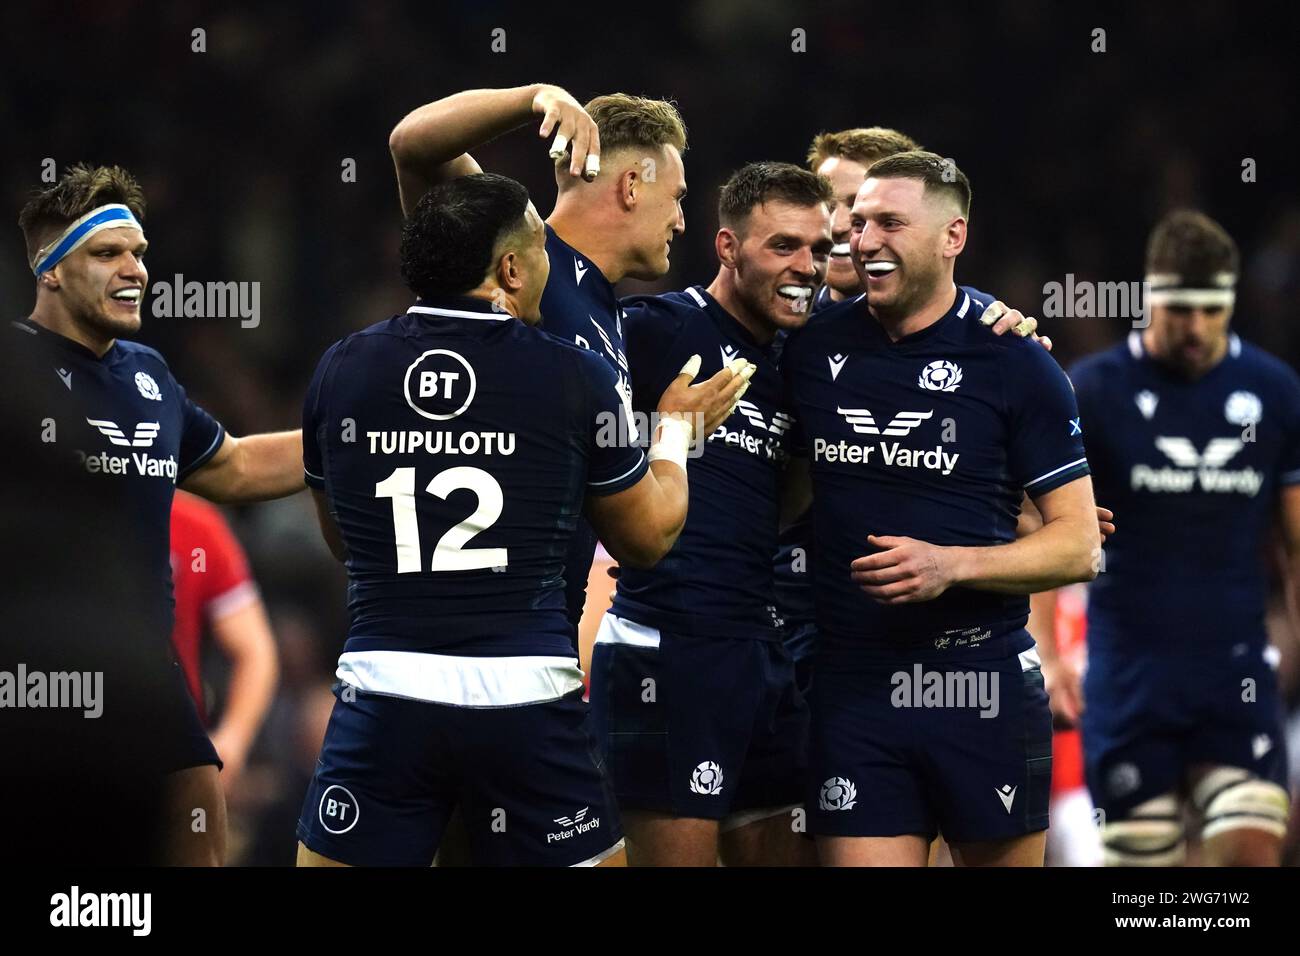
[216, 594]
[136, 431]
[619, 188]
[478, 440]
[693, 697]
[922, 434]
[843, 157]
[1196, 434]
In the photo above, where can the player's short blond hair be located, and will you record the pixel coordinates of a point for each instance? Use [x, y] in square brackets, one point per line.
[633, 122]
[78, 191]
[864, 145]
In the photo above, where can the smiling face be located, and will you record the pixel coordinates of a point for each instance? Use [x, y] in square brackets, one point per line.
[903, 243]
[779, 256]
[846, 176]
[660, 187]
[101, 284]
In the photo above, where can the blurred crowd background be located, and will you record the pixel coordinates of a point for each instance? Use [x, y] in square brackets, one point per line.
[1073, 155]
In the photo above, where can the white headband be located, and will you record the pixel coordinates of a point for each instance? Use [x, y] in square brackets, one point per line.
[112, 216]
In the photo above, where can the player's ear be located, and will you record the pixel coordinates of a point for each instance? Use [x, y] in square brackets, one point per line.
[49, 280]
[954, 240]
[727, 245]
[629, 188]
[509, 276]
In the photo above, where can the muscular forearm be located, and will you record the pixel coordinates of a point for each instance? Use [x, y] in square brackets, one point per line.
[1063, 551]
[254, 468]
[430, 143]
[253, 675]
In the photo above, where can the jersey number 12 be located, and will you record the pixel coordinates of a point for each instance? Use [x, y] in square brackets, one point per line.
[450, 553]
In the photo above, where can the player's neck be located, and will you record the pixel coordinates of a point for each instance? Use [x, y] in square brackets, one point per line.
[56, 319]
[723, 290]
[1152, 347]
[577, 226]
[902, 324]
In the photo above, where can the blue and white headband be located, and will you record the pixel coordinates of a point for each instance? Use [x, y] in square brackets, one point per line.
[112, 216]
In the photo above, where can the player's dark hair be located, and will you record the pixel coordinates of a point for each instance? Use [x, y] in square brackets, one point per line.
[757, 183]
[939, 175]
[862, 145]
[1192, 245]
[450, 237]
[80, 189]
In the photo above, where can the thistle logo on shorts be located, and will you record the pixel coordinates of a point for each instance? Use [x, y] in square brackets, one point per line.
[338, 811]
[940, 376]
[147, 386]
[573, 826]
[1123, 779]
[838, 793]
[439, 384]
[706, 778]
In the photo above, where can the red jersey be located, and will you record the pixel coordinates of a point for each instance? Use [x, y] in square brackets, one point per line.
[210, 577]
[1071, 628]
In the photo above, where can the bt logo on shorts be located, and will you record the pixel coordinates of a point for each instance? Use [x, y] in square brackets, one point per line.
[706, 779]
[338, 811]
[838, 793]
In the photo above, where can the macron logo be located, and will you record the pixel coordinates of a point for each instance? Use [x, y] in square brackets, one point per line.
[1007, 794]
[865, 424]
[836, 362]
[65, 376]
[579, 270]
[729, 352]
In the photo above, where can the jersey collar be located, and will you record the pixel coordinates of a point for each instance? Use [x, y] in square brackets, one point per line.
[50, 338]
[575, 265]
[458, 307]
[725, 321]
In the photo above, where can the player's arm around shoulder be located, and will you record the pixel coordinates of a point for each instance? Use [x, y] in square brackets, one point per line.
[430, 145]
[639, 524]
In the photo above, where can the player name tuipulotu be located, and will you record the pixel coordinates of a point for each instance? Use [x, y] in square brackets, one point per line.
[442, 443]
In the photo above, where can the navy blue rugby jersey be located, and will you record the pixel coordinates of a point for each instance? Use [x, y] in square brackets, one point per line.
[456, 445]
[934, 437]
[579, 306]
[130, 424]
[717, 579]
[794, 598]
[1192, 470]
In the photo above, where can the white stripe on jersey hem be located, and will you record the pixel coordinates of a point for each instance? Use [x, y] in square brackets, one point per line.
[459, 314]
[619, 630]
[310, 475]
[461, 681]
[610, 481]
[604, 855]
[1290, 476]
[236, 599]
[1055, 471]
[699, 299]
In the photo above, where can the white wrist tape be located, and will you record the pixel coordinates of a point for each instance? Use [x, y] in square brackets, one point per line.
[672, 441]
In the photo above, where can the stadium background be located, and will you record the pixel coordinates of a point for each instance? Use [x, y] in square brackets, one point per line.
[1073, 154]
